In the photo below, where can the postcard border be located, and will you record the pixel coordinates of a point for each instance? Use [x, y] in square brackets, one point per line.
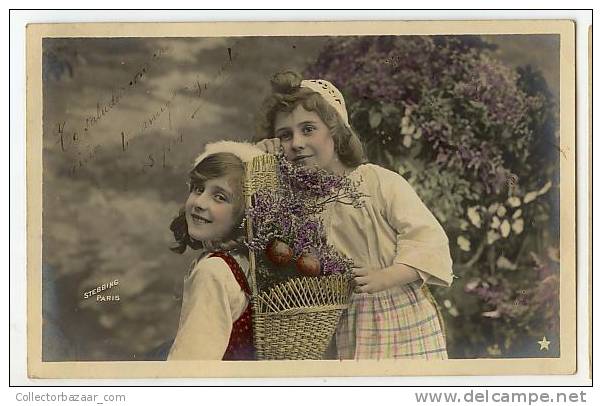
[566, 364]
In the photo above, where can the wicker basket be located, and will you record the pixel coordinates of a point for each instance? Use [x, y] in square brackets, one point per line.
[295, 319]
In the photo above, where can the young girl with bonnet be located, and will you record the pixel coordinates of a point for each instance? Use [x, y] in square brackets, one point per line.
[395, 242]
[215, 320]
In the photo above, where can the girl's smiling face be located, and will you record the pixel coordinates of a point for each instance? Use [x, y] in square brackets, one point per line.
[306, 139]
[212, 210]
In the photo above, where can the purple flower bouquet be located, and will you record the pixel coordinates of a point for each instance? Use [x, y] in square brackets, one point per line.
[300, 283]
[288, 232]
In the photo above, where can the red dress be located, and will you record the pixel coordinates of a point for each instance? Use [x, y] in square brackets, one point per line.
[240, 347]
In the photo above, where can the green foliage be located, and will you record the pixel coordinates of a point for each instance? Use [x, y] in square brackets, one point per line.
[477, 140]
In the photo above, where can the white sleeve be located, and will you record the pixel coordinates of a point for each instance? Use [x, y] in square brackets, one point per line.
[212, 300]
[421, 241]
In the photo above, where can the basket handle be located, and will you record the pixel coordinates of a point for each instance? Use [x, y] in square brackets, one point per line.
[252, 260]
[260, 173]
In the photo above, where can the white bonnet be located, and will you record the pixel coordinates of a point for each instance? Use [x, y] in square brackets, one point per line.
[243, 150]
[331, 94]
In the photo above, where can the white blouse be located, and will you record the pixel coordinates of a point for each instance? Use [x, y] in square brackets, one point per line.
[212, 301]
[394, 227]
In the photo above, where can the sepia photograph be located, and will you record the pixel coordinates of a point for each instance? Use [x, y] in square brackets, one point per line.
[383, 198]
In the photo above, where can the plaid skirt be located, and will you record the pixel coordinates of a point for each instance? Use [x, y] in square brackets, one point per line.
[401, 322]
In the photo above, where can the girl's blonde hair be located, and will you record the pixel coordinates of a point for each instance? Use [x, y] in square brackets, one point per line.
[211, 167]
[287, 94]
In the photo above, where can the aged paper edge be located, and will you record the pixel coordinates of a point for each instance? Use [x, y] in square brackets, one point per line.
[590, 197]
[566, 364]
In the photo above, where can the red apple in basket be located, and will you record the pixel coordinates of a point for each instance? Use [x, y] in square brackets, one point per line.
[278, 252]
[308, 265]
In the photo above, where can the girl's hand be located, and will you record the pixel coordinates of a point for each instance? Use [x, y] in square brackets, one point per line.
[270, 145]
[370, 280]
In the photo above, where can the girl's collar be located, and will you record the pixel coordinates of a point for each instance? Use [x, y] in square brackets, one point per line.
[352, 170]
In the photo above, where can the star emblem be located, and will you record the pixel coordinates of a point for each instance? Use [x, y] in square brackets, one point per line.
[544, 344]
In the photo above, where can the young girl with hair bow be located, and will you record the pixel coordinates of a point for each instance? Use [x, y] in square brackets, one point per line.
[215, 321]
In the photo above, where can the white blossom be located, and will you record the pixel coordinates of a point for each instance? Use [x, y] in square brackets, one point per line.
[518, 226]
[501, 211]
[517, 214]
[494, 350]
[495, 222]
[493, 208]
[505, 228]
[545, 188]
[492, 314]
[407, 141]
[504, 263]
[492, 237]
[472, 285]
[554, 254]
[514, 201]
[474, 216]
[463, 243]
[529, 197]
[417, 134]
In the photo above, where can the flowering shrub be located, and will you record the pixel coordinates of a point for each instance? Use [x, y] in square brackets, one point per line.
[476, 139]
[291, 214]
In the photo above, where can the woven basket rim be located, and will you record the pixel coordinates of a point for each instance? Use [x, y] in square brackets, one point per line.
[302, 310]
